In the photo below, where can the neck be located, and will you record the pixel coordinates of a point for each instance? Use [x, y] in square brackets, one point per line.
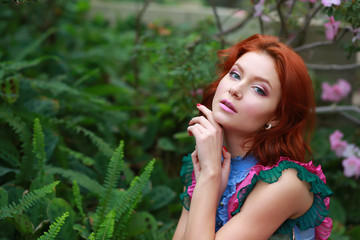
[235, 144]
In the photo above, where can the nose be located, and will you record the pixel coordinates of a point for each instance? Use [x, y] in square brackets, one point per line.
[236, 91]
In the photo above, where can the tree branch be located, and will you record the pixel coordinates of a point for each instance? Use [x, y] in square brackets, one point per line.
[283, 30]
[333, 66]
[239, 25]
[313, 45]
[218, 23]
[288, 14]
[136, 41]
[336, 108]
[302, 31]
[341, 110]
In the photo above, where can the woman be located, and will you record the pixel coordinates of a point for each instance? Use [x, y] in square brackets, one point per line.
[248, 177]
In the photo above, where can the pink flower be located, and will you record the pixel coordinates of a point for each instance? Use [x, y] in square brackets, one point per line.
[351, 166]
[197, 92]
[335, 92]
[337, 144]
[259, 7]
[331, 28]
[328, 3]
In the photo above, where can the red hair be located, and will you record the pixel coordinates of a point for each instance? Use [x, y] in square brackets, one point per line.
[296, 110]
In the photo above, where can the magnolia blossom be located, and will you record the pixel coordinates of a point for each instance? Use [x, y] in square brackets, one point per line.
[337, 144]
[331, 28]
[351, 166]
[336, 92]
[328, 3]
[350, 150]
[259, 8]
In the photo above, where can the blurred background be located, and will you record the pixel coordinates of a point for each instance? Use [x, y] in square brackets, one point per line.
[78, 77]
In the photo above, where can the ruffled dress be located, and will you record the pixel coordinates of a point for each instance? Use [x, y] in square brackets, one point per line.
[246, 172]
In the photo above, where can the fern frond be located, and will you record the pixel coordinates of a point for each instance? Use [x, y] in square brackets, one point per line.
[36, 43]
[92, 236]
[15, 66]
[27, 201]
[59, 88]
[103, 147]
[113, 174]
[55, 227]
[20, 128]
[38, 146]
[78, 156]
[78, 198]
[126, 204]
[81, 179]
[121, 224]
[106, 229]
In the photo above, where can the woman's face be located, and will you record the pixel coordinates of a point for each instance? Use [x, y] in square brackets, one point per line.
[247, 97]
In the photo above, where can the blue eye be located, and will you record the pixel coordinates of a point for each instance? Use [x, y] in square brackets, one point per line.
[234, 75]
[260, 91]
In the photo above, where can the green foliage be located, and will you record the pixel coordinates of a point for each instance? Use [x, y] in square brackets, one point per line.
[82, 179]
[38, 147]
[55, 227]
[112, 176]
[26, 202]
[106, 228]
[78, 199]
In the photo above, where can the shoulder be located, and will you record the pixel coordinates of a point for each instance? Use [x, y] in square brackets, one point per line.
[287, 192]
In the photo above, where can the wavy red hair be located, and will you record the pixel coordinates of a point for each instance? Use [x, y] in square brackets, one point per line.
[296, 110]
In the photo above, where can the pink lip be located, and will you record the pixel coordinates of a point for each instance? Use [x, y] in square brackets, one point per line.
[227, 106]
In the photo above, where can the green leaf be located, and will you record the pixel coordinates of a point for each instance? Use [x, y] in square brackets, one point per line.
[4, 197]
[56, 208]
[159, 197]
[166, 144]
[140, 223]
[10, 89]
[23, 224]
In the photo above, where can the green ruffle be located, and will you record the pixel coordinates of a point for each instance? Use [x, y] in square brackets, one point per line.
[317, 212]
[185, 175]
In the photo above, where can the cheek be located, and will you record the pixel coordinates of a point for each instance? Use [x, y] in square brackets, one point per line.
[259, 111]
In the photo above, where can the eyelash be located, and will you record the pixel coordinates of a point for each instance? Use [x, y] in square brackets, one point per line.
[258, 90]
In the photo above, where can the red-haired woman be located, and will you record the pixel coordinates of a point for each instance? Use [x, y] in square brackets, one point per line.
[248, 177]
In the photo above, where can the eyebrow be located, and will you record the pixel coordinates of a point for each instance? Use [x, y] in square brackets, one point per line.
[256, 77]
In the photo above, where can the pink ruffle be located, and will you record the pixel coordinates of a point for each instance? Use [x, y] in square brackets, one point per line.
[190, 189]
[322, 231]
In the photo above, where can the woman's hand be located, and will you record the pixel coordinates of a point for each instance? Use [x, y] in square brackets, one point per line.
[209, 139]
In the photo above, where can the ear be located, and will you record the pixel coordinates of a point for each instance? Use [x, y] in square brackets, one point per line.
[274, 121]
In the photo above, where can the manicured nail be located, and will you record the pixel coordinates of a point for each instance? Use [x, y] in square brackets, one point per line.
[198, 104]
[225, 148]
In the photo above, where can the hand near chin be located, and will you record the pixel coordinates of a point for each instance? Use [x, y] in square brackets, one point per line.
[209, 147]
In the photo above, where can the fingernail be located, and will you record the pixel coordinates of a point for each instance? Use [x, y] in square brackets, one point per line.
[198, 104]
[225, 148]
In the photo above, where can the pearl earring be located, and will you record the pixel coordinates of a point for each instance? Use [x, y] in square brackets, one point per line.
[268, 126]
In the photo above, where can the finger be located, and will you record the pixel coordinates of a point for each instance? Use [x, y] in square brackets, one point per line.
[195, 161]
[202, 121]
[227, 159]
[196, 130]
[208, 114]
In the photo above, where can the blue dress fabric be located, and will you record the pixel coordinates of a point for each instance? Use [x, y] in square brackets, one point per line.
[239, 169]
